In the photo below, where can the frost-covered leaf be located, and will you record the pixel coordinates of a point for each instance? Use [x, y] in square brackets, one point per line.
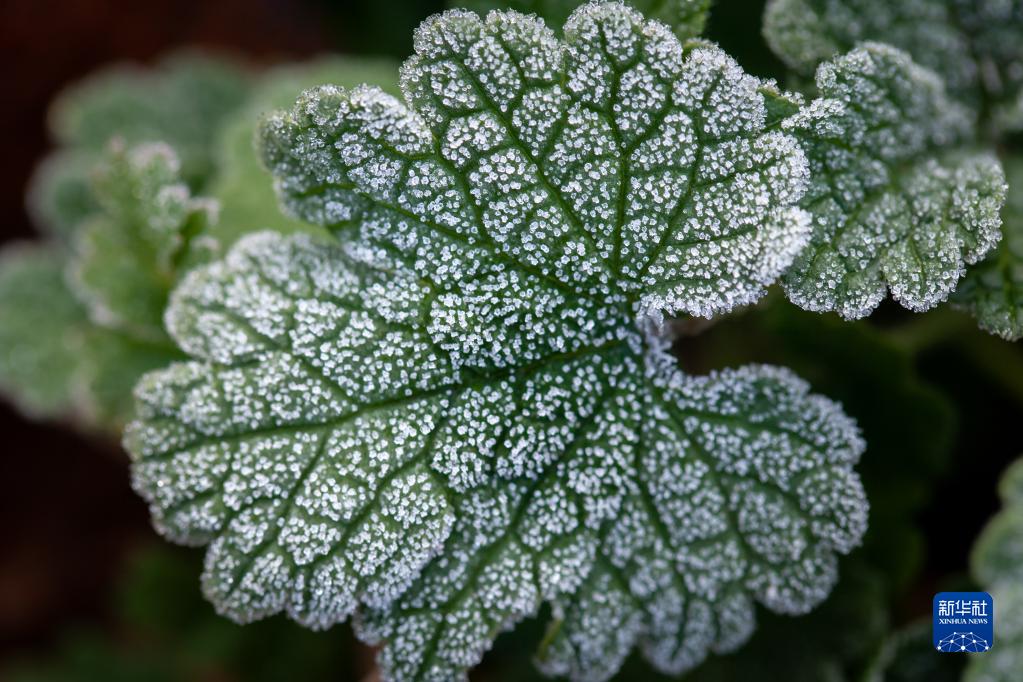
[78, 351]
[336, 446]
[974, 45]
[686, 17]
[834, 640]
[39, 319]
[452, 415]
[149, 228]
[615, 163]
[997, 563]
[181, 101]
[998, 553]
[993, 289]
[242, 185]
[1005, 659]
[907, 655]
[891, 210]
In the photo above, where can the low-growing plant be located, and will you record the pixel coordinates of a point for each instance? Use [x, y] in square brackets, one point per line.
[435, 394]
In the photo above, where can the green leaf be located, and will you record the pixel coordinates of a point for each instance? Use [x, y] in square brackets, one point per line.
[39, 321]
[60, 193]
[834, 640]
[86, 346]
[181, 101]
[998, 553]
[616, 163]
[973, 45]
[129, 256]
[997, 563]
[892, 211]
[334, 452]
[993, 289]
[242, 186]
[1005, 659]
[686, 17]
[452, 414]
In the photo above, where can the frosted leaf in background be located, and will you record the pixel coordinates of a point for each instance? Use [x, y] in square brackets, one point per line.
[685, 17]
[973, 45]
[60, 193]
[39, 322]
[993, 289]
[181, 101]
[149, 229]
[892, 209]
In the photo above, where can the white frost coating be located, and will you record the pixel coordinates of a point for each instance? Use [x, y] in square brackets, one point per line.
[333, 454]
[454, 417]
[889, 210]
[685, 17]
[615, 163]
[993, 289]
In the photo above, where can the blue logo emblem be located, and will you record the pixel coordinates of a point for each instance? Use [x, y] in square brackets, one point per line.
[964, 622]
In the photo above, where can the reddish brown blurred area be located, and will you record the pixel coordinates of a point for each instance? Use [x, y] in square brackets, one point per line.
[68, 517]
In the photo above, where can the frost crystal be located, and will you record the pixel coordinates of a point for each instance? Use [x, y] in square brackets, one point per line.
[993, 289]
[890, 212]
[974, 45]
[686, 17]
[450, 415]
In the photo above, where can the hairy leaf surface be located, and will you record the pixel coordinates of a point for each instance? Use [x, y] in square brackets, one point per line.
[453, 414]
[891, 210]
[993, 289]
[972, 44]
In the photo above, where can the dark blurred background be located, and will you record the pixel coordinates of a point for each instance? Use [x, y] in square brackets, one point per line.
[79, 563]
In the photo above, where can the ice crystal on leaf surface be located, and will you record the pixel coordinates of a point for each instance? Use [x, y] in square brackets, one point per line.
[993, 289]
[452, 413]
[685, 17]
[892, 208]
